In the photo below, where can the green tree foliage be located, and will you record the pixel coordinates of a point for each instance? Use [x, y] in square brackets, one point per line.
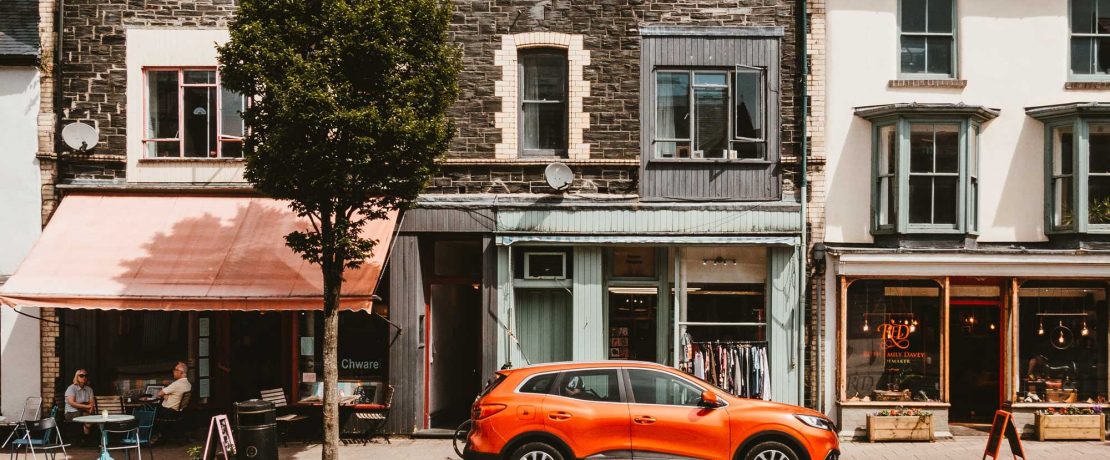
[346, 121]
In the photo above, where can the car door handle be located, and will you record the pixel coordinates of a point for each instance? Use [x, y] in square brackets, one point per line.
[644, 419]
[560, 415]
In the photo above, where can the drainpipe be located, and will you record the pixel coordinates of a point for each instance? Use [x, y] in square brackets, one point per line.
[803, 183]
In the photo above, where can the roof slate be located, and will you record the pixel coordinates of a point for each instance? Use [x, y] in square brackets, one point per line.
[19, 36]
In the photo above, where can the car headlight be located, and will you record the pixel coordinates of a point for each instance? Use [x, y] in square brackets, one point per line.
[816, 422]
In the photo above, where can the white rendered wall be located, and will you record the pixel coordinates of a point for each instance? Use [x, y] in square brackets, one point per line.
[20, 225]
[165, 47]
[1012, 53]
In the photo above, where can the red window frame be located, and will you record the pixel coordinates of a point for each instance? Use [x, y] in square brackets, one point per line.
[181, 85]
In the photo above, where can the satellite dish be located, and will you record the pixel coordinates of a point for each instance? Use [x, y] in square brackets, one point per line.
[80, 136]
[559, 176]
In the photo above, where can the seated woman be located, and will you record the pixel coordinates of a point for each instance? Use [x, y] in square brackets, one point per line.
[79, 399]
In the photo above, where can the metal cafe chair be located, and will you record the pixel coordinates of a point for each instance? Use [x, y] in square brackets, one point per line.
[136, 433]
[40, 436]
[31, 412]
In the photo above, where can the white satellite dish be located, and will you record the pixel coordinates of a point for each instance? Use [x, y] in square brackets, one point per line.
[559, 176]
[80, 136]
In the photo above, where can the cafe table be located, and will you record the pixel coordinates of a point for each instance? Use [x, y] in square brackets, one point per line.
[102, 420]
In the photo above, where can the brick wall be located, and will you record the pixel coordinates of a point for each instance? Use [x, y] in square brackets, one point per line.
[815, 129]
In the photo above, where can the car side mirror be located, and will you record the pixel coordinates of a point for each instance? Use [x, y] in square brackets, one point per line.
[709, 400]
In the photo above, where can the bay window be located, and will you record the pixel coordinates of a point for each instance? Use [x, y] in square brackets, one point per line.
[1077, 167]
[925, 171]
[710, 114]
[189, 115]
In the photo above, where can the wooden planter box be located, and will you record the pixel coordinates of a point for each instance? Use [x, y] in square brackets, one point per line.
[888, 428]
[1071, 427]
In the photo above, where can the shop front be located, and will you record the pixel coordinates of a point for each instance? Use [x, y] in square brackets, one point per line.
[530, 282]
[141, 282]
[963, 334]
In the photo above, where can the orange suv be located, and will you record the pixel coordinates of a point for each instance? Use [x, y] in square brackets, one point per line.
[625, 409]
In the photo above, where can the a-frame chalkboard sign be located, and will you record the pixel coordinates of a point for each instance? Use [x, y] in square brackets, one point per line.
[222, 429]
[1003, 426]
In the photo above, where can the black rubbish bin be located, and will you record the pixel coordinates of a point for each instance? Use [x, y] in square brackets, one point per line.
[256, 430]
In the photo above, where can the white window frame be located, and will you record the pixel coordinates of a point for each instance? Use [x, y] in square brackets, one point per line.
[181, 85]
[731, 137]
[528, 261]
[902, 74]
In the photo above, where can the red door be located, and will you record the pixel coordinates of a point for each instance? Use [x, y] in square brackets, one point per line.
[587, 412]
[667, 421]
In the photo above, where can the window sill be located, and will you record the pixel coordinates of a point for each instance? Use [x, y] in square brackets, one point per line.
[708, 160]
[189, 160]
[894, 404]
[1046, 405]
[927, 83]
[1087, 85]
[539, 161]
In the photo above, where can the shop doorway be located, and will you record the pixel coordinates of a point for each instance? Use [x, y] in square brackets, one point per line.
[975, 363]
[454, 353]
[256, 350]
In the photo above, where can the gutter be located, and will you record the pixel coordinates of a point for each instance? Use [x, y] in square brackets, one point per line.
[803, 182]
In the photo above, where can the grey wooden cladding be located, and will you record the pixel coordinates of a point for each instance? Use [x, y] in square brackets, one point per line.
[448, 220]
[406, 305]
[707, 179]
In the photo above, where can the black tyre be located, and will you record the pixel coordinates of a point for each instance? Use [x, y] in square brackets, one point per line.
[770, 450]
[537, 451]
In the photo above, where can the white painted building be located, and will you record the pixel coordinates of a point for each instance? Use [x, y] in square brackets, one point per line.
[20, 199]
[962, 278]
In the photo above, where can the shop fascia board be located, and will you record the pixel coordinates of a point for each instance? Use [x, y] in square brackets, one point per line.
[1030, 265]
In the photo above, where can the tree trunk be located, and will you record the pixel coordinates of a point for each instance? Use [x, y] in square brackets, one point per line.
[333, 280]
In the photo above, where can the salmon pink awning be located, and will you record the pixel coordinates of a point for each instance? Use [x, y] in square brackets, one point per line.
[181, 253]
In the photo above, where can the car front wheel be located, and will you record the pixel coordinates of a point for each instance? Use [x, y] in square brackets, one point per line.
[771, 450]
[537, 451]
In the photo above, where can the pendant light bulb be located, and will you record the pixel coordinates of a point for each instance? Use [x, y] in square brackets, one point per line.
[913, 328]
[1061, 338]
[1083, 332]
[1040, 329]
[992, 326]
[866, 327]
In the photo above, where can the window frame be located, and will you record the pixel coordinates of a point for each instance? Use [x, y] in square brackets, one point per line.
[1080, 175]
[954, 34]
[622, 385]
[1072, 76]
[181, 85]
[731, 138]
[899, 223]
[631, 395]
[565, 130]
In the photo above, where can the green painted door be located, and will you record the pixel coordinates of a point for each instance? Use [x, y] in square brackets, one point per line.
[543, 319]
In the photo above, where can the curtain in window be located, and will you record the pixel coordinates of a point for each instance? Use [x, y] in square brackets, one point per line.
[543, 107]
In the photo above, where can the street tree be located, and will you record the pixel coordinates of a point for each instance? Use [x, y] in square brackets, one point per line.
[346, 119]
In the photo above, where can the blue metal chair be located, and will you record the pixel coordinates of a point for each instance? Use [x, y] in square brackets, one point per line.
[136, 433]
[39, 436]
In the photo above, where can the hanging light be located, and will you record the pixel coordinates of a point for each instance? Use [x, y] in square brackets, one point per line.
[1040, 329]
[992, 326]
[913, 328]
[866, 327]
[1061, 338]
[971, 319]
[1084, 331]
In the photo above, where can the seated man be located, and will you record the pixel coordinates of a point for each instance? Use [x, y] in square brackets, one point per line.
[173, 393]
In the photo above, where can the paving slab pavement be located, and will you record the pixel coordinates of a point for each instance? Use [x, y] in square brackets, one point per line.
[960, 448]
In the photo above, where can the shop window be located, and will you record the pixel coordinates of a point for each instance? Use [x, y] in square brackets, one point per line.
[892, 347]
[138, 348]
[1078, 177]
[632, 322]
[190, 115]
[1062, 354]
[543, 107]
[1090, 38]
[928, 38]
[707, 114]
[633, 263]
[361, 353]
[925, 171]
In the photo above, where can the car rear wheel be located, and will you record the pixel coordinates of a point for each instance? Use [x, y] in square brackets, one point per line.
[771, 450]
[537, 451]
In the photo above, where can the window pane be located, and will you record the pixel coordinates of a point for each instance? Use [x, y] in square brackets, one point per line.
[939, 55]
[1102, 19]
[710, 79]
[165, 149]
[749, 105]
[886, 201]
[947, 145]
[1062, 146]
[711, 110]
[591, 385]
[1098, 199]
[231, 108]
[200, 121]
[1082, 55]
[544, 76]
[672, 105]
[162, 105]
[650, 387]
[748, 150]
[1102, 51]
[1099, 148]
[973, 203]
[888, 145]
[538, 384]
[231, 149]
[921, 199]
[893, 340]
[913, 54]
[633, 263]
[1082, 16]
[973, 152]
[672, 150]
[913, 15]
[940, 16]
[200, 77]
[946, 202]
[543, 126]
[921, 148]
[1062, 212]
[1052, 316]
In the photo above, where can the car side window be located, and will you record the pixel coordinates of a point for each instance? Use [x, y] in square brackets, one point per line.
[654, 387]
[590, 385]
[539, 384]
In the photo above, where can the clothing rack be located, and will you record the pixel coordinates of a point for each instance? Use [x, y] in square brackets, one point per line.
[739, 367]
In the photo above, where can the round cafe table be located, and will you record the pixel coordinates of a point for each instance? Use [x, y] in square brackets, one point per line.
[101, 420]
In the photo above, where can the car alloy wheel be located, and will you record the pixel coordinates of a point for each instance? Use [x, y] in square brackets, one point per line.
[537, 451]
[772, 454]
[771, 450]
[537, 455]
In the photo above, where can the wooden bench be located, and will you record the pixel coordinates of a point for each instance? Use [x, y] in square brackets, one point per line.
[276, 397]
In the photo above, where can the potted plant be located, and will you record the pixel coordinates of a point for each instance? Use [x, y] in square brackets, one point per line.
[1071, 423]
[900, 424]
[194, 453]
